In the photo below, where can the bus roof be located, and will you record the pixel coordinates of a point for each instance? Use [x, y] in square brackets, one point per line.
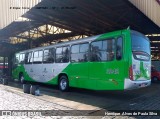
[88, 39]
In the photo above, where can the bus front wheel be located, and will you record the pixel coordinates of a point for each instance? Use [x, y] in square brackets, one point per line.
[63, 83]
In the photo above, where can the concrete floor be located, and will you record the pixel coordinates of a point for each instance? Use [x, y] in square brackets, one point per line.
[79, 99]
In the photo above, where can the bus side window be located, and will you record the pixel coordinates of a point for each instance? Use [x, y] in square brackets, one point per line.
[59, 55]
[79, 53]
[37, 57]
[48, 55]
[103, 50]
[21, 58]
[74, 53]
[28, 58]
[62, 54]
[96, 46]
[83, 55]
[109, 47]
[119, 48]
[65, 57]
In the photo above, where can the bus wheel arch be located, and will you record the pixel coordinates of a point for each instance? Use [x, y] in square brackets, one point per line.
[63, 82]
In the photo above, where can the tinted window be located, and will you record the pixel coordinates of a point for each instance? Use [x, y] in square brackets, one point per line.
[96, 46]
[21, 58]
[59, 50]
[140, 47]
[102, 50]
[140, 44]
[65, 54]
[119, 49]
[84, 48]
[81, 54]
[75, 49]
[62, 54]
[28, 57]
[49, 55]
[38, 56]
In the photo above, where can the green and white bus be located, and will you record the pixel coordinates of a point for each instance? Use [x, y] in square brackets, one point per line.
[118, 60]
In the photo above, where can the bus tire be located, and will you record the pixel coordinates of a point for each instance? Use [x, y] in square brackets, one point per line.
[21, 78]
[26, 88]
[34, 90]
[63, 83]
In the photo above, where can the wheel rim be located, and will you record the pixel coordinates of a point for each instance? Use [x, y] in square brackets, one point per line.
[63, 84]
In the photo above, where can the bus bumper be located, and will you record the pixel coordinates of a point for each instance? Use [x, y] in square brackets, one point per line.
[129, 84]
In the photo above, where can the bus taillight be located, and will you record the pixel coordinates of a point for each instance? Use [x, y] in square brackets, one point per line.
[130, 73]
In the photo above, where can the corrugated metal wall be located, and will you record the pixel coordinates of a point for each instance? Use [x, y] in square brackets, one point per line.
[10, 10]
[151, 8]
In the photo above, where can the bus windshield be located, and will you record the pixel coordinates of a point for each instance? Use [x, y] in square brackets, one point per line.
[140, 44]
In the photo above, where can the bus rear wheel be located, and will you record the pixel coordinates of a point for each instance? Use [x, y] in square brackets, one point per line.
[26, 88]
[63, 83]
